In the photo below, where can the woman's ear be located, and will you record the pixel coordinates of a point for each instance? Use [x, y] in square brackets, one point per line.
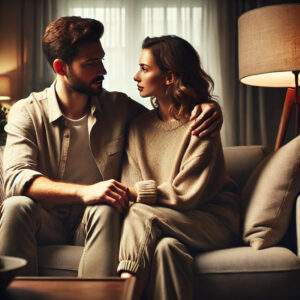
[59, 66]
[170, 78]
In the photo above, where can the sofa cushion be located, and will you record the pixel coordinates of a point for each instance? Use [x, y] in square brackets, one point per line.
[269, 196]
[245, 273]
[246, 260]
[59, 260]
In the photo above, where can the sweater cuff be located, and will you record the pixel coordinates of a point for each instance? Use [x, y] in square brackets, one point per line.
[146, 191]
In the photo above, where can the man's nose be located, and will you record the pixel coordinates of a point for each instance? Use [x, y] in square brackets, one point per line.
[101, 69]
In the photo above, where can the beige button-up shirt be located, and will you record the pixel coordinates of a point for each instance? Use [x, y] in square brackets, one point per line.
[38, 138]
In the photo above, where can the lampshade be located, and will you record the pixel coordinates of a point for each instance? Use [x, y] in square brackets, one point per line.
[5, 91]
[269, 45]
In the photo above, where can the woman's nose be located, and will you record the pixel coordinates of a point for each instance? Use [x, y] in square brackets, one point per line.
[136, 77]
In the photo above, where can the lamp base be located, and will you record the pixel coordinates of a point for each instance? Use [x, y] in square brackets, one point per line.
[290, 99]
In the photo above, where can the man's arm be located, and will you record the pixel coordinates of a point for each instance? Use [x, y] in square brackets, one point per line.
[207, 119]
[47, 191]
[23, 177]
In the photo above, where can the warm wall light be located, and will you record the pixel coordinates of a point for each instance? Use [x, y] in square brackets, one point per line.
[5, 88]
[269, 53]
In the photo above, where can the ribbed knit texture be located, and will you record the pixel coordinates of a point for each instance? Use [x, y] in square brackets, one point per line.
[146, 191]
[170, 167]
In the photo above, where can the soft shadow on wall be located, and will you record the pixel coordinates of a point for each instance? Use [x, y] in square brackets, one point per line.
[21, 59]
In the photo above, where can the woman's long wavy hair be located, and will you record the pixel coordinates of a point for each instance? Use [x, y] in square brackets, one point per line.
[192, 84]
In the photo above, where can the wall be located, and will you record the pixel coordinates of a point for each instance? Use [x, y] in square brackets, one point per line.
[10, 43]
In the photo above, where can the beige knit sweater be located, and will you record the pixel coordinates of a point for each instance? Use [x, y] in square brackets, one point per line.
[170, 167]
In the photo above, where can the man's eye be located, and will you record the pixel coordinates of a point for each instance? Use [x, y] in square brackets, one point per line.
[144, 69]
[93, 64]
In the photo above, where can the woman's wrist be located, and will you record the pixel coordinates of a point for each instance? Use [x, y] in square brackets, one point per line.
[132, 194]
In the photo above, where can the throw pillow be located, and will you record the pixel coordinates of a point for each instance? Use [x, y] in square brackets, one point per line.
[269, 195]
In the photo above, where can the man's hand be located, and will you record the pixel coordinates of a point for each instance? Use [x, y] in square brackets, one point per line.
[110, 192]
[207, 119]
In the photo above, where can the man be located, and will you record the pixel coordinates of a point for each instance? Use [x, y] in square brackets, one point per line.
[63, 155]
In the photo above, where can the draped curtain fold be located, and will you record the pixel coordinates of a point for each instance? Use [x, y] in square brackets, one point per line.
[35, 71]
[209, 25]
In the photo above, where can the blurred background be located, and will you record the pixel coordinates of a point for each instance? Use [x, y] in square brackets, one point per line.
[251, 114]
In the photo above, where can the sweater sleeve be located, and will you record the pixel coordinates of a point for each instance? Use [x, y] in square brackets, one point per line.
[199, 177]
[130, 169]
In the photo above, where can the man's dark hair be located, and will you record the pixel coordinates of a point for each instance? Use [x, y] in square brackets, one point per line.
[63, 36]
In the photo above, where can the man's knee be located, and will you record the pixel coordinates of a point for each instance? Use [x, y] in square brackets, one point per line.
[19, 220]
[18, 206]
[104, 215]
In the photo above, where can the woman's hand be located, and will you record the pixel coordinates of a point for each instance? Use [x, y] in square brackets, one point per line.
[208, 119]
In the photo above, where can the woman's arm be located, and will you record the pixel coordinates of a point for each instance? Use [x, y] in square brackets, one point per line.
[201, 175]
[198, 180]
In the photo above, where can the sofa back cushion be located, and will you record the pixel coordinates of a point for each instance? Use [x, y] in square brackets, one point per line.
[242, 160]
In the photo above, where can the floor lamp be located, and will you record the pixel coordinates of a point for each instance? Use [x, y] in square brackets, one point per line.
[269, 55]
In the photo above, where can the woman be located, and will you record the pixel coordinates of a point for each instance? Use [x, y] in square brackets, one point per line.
[178, 182]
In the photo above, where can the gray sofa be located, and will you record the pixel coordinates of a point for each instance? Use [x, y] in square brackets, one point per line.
[243, 272]
[240, 272]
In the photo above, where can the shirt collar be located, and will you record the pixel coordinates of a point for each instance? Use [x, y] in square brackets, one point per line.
[54, 110]
[96, 103]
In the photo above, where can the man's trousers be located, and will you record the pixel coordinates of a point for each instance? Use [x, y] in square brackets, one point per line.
[25, 224]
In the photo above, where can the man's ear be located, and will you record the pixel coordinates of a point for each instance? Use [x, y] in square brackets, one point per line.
[170, 78]
[59, 66]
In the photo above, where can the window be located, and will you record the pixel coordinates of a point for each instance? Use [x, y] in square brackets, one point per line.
[127, 23]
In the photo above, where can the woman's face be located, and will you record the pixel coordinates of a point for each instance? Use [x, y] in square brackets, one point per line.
[151, 80]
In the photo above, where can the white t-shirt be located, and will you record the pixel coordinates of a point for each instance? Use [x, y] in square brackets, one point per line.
[80, 165]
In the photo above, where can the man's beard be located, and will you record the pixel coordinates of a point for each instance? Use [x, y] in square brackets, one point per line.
[81, 87]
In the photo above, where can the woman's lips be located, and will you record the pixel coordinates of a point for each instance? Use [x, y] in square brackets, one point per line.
[140, 88]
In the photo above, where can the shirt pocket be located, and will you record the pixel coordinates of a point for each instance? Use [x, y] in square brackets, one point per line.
[116, 146]
[114, 152]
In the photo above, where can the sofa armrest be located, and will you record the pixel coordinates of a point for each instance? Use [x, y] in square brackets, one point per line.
[298, 224]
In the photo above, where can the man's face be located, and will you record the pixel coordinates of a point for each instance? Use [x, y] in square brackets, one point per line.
[85, 74]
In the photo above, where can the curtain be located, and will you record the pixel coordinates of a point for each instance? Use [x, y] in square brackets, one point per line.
[35, 72]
